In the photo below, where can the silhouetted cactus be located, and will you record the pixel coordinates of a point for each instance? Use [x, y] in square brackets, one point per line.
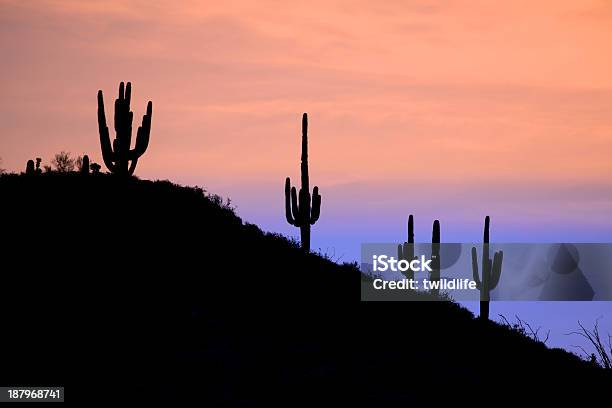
[406, 251]
[85, 165]
[38, 170]
[434, 275]
[491, 271]
[119, 158]
[301, 212]
[30, 168]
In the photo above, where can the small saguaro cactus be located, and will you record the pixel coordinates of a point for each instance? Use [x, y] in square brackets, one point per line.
[119, 158]
[406, 251]
[434, 275]
[491, 272]
[85, 165]
[38, 170]
[30, 168]
[301, 211]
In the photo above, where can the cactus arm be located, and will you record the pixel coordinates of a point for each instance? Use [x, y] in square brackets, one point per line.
[288, 215]
[129, 116]
[143, 134]
[294, 208]
[400, 254]
[132, 167]
[496, 269]
[107, 151]
[118, 110]
[316, 206]
[475, 268]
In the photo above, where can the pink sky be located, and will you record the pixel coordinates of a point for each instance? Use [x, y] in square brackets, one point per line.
[489, 107]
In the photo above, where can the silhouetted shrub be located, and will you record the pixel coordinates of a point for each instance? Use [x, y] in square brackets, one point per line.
[63, 163]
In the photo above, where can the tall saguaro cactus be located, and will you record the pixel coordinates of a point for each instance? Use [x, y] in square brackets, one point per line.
[406, 251]
[434, 275]
[303, 211]
[119, 158]
[491, 272]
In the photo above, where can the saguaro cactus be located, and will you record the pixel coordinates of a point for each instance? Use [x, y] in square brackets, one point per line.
[406, 251]
[85, 165]
[491, 271]
[303, 212]
[434, 275]
[119, 158]
[30, 168]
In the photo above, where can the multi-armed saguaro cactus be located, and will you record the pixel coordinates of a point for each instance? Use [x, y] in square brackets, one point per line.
[119, 158]
[434, 275]
[406, 251]
[491, 272]
[302, 212]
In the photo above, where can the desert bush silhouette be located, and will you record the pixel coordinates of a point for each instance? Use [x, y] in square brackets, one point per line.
[491, 271]
[119, 158]
[63, 163]
[304, 211]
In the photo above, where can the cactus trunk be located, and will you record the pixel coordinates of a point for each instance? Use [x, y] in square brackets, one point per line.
[484, 294]
[406, 251]
[434, 275]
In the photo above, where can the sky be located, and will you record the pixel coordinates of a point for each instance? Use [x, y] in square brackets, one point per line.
[449, 110]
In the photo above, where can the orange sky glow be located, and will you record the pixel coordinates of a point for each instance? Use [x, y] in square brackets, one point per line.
[494, 106]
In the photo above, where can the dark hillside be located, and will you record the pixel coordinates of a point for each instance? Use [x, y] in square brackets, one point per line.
[165, 290]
